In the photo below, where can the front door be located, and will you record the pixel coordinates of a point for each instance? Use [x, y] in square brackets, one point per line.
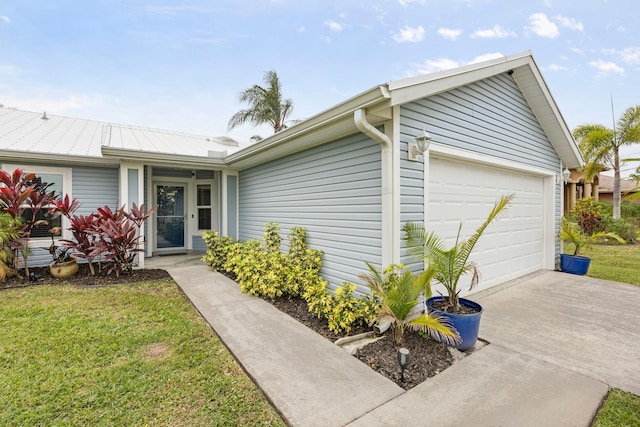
[170, 216]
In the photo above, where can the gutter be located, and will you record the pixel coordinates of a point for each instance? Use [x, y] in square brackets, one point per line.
[388, 220]
[165, 159]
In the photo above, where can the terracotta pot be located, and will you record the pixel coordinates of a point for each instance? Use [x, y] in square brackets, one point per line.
[64, 269]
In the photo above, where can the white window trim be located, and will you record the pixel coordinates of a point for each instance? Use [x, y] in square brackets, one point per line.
[45, 242]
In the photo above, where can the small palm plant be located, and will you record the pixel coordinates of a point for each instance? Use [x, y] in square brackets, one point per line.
[450, 264]
[398, 294]
[571, 232]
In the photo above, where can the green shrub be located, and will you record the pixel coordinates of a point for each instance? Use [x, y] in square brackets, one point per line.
[622, 228]
[272, 238]
[589, 216]
[217, 250]
[342, 309]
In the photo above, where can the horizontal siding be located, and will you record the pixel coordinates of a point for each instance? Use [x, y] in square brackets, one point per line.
[490, 117]
[95, 187]
[334, 190]
[198, 244]
[171, 173]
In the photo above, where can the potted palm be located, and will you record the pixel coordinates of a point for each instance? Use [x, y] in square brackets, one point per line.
[450, 264]
[571, 232]
[64, 264]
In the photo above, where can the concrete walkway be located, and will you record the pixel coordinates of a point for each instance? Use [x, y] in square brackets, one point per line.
[556, 346]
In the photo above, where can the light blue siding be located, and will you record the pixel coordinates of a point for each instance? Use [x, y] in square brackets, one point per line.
[95, 187]
[334, 190]
[490, 117]
[198, 244]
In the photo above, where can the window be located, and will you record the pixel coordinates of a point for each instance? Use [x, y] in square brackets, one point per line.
[57, 180]
[204, 206]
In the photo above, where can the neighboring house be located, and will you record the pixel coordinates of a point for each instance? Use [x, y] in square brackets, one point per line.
[627, 186]
[344, 174]
[578, 188]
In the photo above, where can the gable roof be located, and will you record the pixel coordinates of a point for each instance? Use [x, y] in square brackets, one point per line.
[36, 136]
[378, 101]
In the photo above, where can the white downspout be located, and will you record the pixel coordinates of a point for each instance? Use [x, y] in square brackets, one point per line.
[360, 120]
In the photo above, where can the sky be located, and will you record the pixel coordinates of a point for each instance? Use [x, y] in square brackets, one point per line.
[180, 65]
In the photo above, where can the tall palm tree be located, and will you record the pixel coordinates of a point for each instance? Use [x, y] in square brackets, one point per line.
[266, 105]
[600, 147]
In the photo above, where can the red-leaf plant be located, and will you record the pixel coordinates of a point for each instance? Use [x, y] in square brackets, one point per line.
[82, 228]
[118, 236]
[18, 191]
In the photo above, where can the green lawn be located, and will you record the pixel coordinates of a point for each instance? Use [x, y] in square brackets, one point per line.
[620, 409]
[619, 263]
[120, 355]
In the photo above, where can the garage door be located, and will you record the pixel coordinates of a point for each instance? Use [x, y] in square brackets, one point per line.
[510, 247]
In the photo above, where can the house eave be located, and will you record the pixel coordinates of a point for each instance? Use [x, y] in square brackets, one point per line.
[328, 125]
[37, 157]
[163, 159]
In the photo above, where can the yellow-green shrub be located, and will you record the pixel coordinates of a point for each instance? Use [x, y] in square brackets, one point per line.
[217, 250]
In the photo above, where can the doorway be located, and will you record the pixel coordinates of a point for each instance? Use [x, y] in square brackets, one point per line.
[170, 216]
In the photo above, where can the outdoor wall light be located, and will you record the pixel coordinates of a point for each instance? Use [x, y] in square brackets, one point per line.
[420, 146]
[403, 361]
[564, 177]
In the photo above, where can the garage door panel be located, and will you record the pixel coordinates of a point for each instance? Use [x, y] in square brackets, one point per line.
[463, 191]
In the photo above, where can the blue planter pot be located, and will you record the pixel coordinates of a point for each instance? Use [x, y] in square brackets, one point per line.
[467, 325]
[574, 264]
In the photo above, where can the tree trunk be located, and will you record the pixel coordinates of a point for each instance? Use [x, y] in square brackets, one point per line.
[616, 184]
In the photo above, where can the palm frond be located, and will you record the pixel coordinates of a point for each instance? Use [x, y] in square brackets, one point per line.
[437, 327]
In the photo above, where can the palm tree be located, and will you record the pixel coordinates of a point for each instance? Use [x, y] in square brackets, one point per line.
[600, 147]
[266, 105]
[400, 307]
[450, 263]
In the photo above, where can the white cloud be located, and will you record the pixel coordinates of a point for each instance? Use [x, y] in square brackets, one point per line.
[5, 19]
[301, 29]
[605, 68]
[409, 34]
[486, 57]
[406, 2]
[496, 32]
[334, 26]
[441, 64]
[449, 33]
[569, 23]
[554, 67]
[577, 50]
[631, 55]
[55, 104]
[542, 26]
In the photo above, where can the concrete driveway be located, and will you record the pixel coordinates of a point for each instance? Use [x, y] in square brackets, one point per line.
[586, 325]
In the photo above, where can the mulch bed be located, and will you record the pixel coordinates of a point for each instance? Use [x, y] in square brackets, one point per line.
[427, 357]
[42, 276]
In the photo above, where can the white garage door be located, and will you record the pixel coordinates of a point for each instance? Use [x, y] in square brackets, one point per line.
[510, 247]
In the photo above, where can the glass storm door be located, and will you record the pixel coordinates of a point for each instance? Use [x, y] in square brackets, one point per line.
[170, 223]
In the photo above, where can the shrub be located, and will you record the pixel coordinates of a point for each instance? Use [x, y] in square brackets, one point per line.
[589, 216]
[272, 238]
[117, 236]
[622, 228]
[218, 248]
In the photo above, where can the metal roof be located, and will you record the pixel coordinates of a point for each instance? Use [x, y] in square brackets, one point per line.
[44, 136]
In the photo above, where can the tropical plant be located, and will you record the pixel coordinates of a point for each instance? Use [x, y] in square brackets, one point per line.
[600, 147]
[24, 197]
[9, 232]
[450, 264]
[118, 236]
[400, 295]
[266, 105]
[571, 232]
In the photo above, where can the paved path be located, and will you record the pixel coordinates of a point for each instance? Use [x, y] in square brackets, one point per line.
[554, 350]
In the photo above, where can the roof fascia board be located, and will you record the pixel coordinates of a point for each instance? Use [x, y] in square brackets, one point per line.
[149, 157]
[373, 96]
[25, 156]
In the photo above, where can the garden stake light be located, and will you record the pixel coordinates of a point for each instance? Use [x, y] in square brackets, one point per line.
[403, 360]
